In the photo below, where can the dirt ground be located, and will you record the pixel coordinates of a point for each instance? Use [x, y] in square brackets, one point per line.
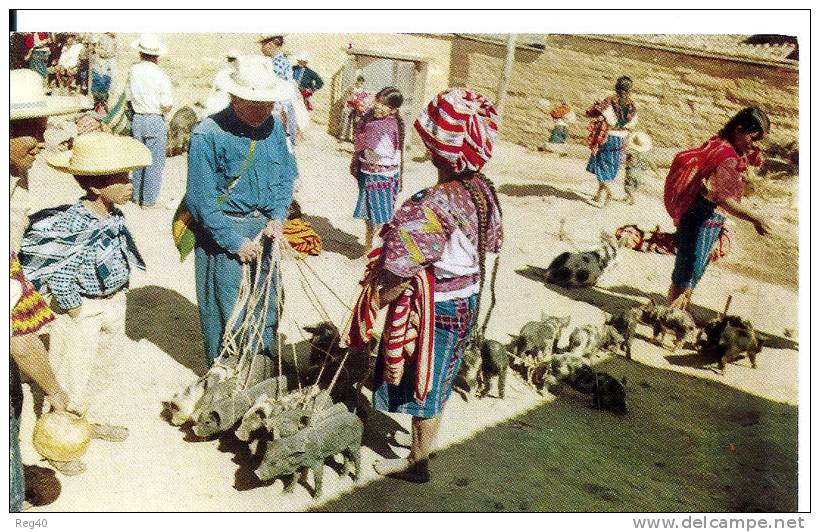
[692, 440]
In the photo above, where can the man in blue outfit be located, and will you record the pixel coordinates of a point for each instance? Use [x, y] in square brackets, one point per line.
[240, 185]
[272, 46]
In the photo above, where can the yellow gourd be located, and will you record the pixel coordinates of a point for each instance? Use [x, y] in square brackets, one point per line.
[61, 436]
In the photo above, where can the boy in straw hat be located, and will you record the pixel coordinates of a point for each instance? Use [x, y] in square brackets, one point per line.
[150, 94]
[637, 143]
[240, 185]
[82, 255]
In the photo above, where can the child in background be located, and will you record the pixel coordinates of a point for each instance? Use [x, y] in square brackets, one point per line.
[358, 102]
[562, 116]
[82, 256]
[635, 163]
[377, 161]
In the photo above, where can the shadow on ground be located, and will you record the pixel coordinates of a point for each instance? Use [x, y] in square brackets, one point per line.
[180, 335]
[335, 240]
[540, 189]
[616, 299]
[685, 445]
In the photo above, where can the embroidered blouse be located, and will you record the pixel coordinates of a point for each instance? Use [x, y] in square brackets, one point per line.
[438, 228]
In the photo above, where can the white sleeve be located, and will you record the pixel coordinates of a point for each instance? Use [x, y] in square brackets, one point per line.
[166, 92]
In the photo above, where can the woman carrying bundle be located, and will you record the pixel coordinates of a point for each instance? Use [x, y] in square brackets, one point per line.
[703, 185]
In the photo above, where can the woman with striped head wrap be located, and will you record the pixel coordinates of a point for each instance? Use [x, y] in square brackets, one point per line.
[443, 233]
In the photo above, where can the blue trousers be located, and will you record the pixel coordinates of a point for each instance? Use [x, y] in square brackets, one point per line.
[151, 131]
[17, 485]
[218, 275]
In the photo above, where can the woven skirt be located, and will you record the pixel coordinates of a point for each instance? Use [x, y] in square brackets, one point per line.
[697, 233]
[377, 197]
[454, 322]
[606, 161]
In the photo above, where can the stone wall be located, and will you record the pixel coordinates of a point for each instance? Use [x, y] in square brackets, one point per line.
[681, 99]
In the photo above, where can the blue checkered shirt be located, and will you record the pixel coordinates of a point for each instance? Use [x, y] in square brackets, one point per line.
[101, 268]
[282, 67]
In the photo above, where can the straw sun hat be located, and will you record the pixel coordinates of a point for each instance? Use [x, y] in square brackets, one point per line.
[253, 79]
[101, 154]
[149, 44]
[639, 141]
[27, 98]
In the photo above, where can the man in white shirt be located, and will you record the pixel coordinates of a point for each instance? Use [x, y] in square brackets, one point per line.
[149, 92]
[66, 68]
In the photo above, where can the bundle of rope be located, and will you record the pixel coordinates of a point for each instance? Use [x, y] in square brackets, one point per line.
[243, 373]
[240, 363]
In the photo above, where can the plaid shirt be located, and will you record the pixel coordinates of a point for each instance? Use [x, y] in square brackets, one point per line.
[95, 266]
[282, 67]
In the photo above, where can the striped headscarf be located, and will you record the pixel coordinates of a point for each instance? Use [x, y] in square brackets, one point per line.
[459, 127]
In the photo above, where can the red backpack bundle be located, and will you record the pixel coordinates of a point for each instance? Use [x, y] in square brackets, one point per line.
[688, 170]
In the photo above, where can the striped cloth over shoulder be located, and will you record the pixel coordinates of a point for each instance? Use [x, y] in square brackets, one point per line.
[31, 312]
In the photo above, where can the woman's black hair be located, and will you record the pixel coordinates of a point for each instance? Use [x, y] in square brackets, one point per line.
[393, 98]
[749, 120]
[623, 84]
[483, 208]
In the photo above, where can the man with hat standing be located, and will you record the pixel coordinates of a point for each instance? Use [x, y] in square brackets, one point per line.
[150, 94]
[306, 78]
[240, 185]
[28, 112]
[271, 46]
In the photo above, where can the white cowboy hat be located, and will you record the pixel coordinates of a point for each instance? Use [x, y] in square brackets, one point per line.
[268, 37]
[233, 53]
[253, 79]
[149, 44]
[639, 141]
[27, 98]
[302, 55]
[101, 153]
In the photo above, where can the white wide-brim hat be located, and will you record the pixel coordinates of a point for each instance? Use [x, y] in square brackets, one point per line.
[101, 153]
[28, 99]
[639, 141]
[302, 55]
[253, 79]
[233, 53]
[149, 44]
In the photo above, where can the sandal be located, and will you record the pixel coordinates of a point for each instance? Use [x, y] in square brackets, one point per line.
[69, 469]
[112, 433]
